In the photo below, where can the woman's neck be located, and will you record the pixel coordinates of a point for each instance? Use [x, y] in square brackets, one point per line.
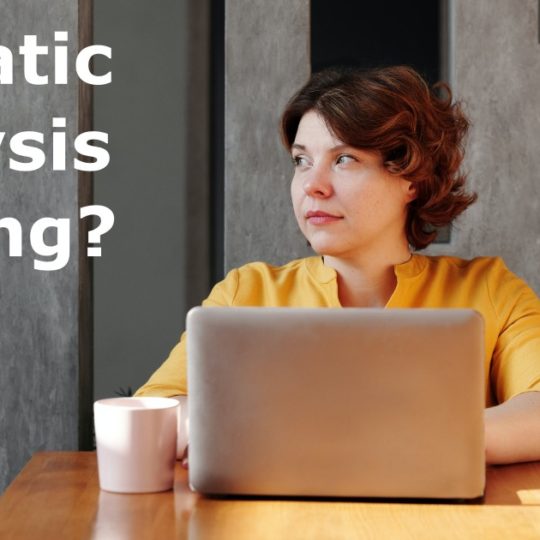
[366, 281]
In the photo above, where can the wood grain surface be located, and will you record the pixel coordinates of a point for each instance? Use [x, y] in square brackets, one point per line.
[57, 496]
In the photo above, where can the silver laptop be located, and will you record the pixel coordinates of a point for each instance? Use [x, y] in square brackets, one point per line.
[336, 402]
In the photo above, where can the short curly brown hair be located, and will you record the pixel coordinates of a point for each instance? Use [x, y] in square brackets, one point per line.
[418, 131]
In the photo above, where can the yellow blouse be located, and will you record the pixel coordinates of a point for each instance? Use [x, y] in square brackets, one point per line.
[511, 311]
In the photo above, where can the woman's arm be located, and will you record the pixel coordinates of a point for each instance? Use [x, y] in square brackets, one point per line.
[513, 430]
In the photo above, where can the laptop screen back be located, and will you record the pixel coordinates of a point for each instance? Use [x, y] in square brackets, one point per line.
[336, 402]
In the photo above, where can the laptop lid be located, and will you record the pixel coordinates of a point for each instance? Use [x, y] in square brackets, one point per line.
[336, 402]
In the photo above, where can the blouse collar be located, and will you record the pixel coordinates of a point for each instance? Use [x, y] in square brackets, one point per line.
[325, 274]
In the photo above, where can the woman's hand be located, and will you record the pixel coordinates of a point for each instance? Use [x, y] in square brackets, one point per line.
[182, 427]
[185, 458]
[513, 430]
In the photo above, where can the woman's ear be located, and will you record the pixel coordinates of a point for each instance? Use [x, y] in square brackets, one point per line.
[411, 191]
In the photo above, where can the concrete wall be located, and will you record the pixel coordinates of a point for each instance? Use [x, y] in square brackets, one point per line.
[38, 310]
[155, 259]
[496, 72]
[266, 60]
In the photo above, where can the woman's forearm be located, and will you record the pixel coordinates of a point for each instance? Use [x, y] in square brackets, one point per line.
[513, 430]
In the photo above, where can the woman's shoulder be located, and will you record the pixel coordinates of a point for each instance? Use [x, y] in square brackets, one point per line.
[260, 283]
[489, 269]
[462, 265]
[447, 266]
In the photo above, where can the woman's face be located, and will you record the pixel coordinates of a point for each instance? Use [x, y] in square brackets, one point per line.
[344, 200]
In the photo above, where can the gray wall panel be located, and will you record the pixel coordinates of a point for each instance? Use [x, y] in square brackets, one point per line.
[38, 310]
[266, 60]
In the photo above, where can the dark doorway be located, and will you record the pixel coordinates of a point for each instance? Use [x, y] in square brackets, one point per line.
[376, 34]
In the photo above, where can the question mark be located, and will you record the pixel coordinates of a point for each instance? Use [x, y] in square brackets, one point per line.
[106, 222]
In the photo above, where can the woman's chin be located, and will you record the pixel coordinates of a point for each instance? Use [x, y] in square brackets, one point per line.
[322, 248]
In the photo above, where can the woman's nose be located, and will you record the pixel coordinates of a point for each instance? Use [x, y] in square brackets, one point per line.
[318, 183]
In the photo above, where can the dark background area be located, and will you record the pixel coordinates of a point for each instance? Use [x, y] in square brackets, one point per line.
[375, 34]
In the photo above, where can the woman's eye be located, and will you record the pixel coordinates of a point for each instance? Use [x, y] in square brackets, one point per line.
[345, 158]
[299, 161]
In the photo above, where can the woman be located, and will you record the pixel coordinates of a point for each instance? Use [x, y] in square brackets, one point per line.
[376, 169]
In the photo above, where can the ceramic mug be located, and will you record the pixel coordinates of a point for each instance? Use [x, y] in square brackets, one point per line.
[136, 443]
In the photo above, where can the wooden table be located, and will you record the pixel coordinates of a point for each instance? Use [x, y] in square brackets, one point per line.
[57, 496]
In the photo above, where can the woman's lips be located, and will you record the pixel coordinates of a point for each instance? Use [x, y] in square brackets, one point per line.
[317, 217]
